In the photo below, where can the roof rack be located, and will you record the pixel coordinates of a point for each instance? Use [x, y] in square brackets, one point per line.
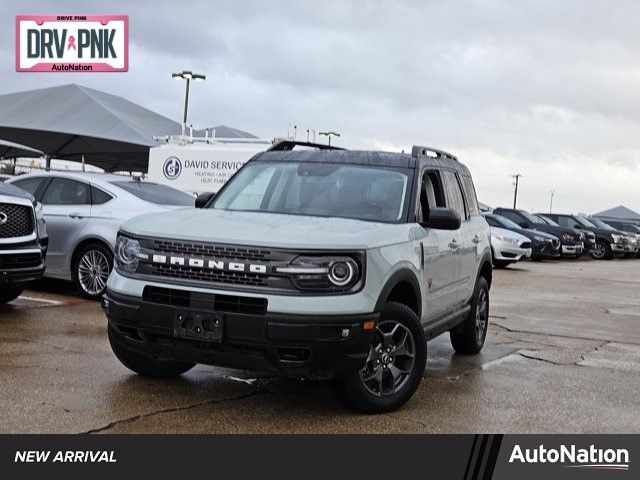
[280, 145]
[421, 151]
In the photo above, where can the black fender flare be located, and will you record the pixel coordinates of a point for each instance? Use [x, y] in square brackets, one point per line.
[402, 275]
[486, 259]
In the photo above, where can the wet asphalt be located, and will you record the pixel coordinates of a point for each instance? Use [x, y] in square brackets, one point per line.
[562, 355]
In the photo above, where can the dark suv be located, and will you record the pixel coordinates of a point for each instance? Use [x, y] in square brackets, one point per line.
[23, 241]
[609, 242]
[571, 240]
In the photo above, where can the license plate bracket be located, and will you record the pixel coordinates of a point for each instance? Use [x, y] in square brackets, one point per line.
[208, 326]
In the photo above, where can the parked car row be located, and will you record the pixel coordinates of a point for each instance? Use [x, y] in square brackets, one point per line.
[518, 234]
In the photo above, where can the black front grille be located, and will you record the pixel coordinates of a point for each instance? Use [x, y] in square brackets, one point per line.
[20, 260]
[15, 220]
[198, 274]
[217, 251]
[525, 245]
[186, 274]
[205, 301]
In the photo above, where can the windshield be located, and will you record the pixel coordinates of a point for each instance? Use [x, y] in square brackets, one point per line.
[318, 189]
[584, 222]
[599, 223]
[532, 219]
[155, 193]
[548, 220]
[506, 223]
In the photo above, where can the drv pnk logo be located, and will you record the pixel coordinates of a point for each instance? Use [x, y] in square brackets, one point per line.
[72, 43]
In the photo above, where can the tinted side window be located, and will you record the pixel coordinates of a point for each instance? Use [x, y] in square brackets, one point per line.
[98, 197]
[63, 191]
[454, 194]
[564, 222]
[30, 185]
[470, 193]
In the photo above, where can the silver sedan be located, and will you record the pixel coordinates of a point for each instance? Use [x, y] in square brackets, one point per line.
[83, 212]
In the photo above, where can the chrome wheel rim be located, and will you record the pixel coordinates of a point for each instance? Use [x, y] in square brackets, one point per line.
[391, 359]
[600, 251]
[481, 315]
[93, 271]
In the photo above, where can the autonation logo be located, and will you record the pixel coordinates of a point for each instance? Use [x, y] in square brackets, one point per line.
[574, 457]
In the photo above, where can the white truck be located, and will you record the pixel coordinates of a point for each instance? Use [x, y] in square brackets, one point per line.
[200, 164]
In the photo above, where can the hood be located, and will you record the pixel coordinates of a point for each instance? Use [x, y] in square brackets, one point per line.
[557, 231]
[503, 232]
[268, 229]
[540, 234]
[7, 189]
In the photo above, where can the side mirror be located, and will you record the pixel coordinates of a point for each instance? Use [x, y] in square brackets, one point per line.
[443, 219]
[203, 199]
[525, 224]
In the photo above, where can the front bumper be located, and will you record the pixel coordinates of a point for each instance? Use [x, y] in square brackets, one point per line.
[620, 248]
[572, 249]
[545, 250]
[21, 265]
[302, 346]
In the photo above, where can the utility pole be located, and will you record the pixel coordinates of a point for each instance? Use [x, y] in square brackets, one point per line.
[551, 202]
[515, 193]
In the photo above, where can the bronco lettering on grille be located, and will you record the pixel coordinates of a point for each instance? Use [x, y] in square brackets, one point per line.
[209, 264]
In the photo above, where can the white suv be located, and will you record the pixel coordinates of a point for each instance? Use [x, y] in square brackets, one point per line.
[319, 263]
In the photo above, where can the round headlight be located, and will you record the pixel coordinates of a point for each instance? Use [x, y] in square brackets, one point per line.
[127, 254]
[341, 273]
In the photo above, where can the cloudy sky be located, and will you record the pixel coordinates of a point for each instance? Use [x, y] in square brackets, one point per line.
[547, 89]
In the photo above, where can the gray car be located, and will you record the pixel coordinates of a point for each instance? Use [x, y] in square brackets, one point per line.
[83, 212]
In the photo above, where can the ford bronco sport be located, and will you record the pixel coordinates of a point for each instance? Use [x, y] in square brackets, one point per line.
[319, 263]
[23, 241]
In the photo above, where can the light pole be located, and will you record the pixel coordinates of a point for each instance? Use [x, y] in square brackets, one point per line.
[329, 134]
[188, 76]
[515, 193]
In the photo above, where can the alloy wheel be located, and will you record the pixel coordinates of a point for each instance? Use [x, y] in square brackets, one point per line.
[93, 271]
[390, 360]
[600, 251]
[481, 315]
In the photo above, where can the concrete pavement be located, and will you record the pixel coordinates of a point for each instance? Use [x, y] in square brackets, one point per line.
[562, 355]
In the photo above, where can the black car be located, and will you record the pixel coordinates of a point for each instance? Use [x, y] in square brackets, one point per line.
[23, 241]
[543, 245]
[571, 240]
[628, 228]
[632, 237]
[609, 242]
[589, 243]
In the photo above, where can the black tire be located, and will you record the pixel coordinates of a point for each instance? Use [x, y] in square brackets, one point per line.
[144, 364]
[10, 293]
[501, 263]
[358, 393]
[468, 338]
[104, 257]
[602, 251]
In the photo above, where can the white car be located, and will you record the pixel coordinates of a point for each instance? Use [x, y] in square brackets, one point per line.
[508, 247]
[84, 211]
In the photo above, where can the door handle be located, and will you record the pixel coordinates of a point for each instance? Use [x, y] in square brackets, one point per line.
[453, 245]
[77, 216]
[476, 239]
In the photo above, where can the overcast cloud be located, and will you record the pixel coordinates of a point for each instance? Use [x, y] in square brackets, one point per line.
[548, 89]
